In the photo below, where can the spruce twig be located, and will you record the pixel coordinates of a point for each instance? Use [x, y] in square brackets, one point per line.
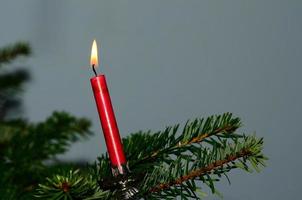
[202, 171]
[168, 164]
[197, 139]
[194, 132]
[25, 146]
[10, 52]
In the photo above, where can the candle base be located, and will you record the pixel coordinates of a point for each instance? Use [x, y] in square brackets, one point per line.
[122, 184]
[120, 170]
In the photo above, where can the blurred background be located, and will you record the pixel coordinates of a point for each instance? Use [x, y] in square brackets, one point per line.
[166, 62]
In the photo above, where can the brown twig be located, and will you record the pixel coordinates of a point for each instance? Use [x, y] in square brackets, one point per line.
[197, 139]
[201, 171]
[204, 136]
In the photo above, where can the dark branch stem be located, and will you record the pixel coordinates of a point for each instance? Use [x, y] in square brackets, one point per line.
[204, 136]
[199, 172]
[197, 139]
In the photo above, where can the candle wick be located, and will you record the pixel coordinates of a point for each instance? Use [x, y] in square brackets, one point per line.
[93, 68]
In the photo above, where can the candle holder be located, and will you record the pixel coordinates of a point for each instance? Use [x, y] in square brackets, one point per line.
[122, 184]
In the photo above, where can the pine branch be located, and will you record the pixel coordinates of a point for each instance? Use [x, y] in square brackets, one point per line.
[24, 146]
[49, 138]
[22, 141]
[151, 147]
[11, 52]
[71, 185]
[206, 150]
[205, 165]
[10, 85]
[11, 82]
[202, 171]
[202, 136]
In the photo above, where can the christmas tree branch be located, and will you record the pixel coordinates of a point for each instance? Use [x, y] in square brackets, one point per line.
[160, 145]
[168, 164]
[11, 82]
[25, 147]
[10, 52]
[202, 136]
[42, 140]
[225, 130]
[22, 141]
[71, 185]
[203, 164]
[202, 171]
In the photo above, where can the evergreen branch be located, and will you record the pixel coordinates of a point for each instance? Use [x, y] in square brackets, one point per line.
[25, 141]
[202, 171]
[10, 85]
[58, 131]
[204, 152]
[224, 130]
[205, 165]
[159, 145]
[25, 146]
[10, 52]
[45, 139]
[197, 139]
[72, 185]
[13, 80]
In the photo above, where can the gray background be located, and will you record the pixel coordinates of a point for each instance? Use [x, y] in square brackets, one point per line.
[168, 61]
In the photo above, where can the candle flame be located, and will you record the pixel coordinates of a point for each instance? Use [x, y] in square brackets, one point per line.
[94, 54]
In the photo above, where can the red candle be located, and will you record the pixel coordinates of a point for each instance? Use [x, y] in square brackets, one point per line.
[106, 114]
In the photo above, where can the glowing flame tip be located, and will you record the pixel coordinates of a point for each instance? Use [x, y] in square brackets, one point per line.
[94, 54]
